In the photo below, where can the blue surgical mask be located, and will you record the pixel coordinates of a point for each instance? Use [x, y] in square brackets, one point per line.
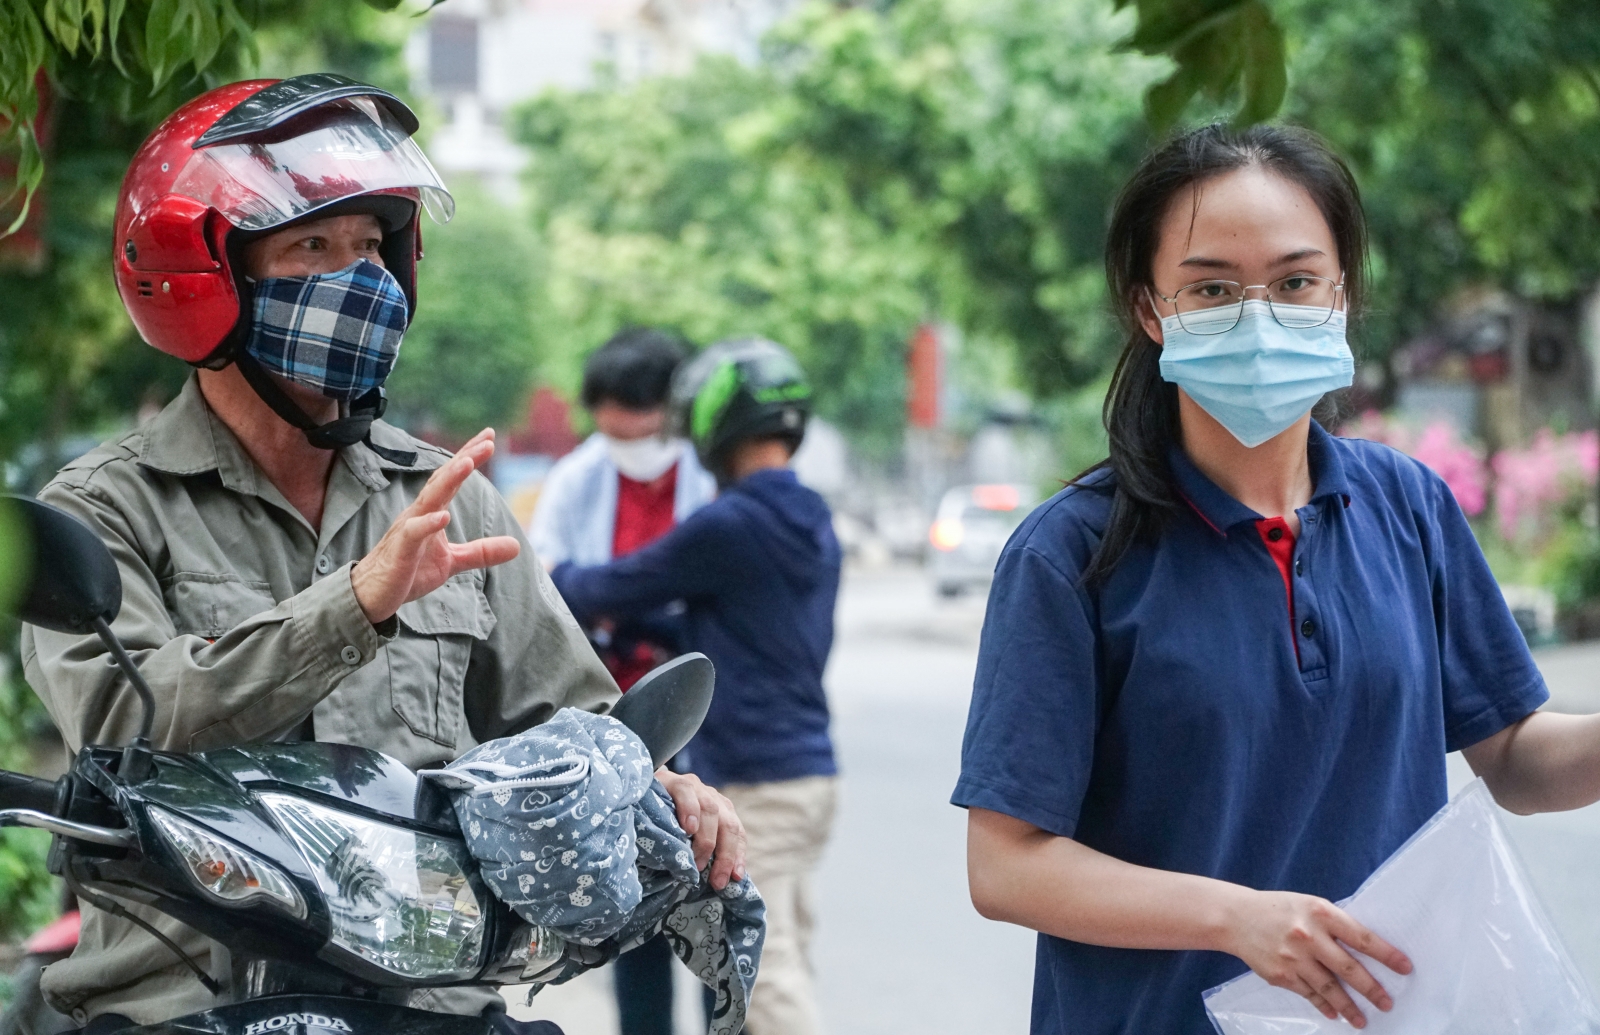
[336, 332]
[1260, 377]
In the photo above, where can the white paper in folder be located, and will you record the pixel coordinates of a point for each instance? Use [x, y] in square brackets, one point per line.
[1486, 959]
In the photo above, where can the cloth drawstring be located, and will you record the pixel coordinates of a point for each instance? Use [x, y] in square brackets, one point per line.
[354, 426]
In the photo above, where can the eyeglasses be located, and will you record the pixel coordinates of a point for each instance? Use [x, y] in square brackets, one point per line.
[1215, 306]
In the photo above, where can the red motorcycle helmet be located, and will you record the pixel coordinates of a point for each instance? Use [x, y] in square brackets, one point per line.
[247, 159]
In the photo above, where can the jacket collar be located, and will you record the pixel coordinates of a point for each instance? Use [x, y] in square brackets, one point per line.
[187, 438]
[1221, 511]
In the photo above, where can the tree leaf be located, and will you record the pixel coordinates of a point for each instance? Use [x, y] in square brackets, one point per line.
[64, 20]
[1166, 25]
[95, 11]
[1266, 79]
[158, 31]
[383, 5]
[30, 173]
[114, 26]
[1165, 101]
[207, 34]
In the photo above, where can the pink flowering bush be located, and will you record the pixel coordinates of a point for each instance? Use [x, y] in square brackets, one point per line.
[1459, 463]
[1537, 487]
[1540, 498]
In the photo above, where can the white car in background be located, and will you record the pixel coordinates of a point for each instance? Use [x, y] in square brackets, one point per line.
[969, 531]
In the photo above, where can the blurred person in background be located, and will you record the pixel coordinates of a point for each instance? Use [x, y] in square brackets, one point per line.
[624, 488]
[759, 571]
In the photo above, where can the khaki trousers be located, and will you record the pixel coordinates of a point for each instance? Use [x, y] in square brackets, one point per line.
[786, 823]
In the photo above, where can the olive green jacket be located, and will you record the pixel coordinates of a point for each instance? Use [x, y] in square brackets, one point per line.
[243, 620]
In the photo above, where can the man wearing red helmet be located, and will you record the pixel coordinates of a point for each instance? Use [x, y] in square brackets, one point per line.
[292, 567]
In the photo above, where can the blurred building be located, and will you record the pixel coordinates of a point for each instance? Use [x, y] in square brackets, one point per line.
[1500, 367]
[478, 59]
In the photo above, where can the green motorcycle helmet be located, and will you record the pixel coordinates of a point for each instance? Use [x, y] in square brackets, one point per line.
[739, 389]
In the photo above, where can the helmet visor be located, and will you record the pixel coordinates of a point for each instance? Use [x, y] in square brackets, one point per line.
[338, 150]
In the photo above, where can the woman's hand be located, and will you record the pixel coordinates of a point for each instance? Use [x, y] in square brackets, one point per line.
[1298, 942]
[712, 825]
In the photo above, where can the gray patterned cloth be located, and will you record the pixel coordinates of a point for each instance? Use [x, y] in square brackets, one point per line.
[572, 831]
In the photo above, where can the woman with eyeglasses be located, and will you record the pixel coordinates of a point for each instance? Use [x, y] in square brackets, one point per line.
[1221, 670]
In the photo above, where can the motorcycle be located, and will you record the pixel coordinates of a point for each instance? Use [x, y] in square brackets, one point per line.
[335, 879]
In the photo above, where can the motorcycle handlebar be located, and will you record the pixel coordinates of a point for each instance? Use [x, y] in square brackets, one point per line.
[19, 791]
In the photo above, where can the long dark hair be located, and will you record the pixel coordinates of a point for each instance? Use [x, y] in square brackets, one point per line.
[1141, 410]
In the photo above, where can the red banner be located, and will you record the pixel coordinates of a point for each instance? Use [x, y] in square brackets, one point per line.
[924, 377]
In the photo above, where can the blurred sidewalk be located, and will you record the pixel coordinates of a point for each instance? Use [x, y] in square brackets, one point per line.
[1573, 673]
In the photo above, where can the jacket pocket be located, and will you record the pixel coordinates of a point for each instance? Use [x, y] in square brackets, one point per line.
[428, 659]
[211, 606]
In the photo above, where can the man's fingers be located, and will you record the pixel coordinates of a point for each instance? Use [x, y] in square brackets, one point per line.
[705, 839]
[483, 553]
[444, 483]
[688, 806]
[416, 530]
[486, 435]
[1353, 933]
[730, 852]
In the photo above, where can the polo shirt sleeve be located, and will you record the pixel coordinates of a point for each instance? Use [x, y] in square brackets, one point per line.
[1029, 742]
[1488, 675]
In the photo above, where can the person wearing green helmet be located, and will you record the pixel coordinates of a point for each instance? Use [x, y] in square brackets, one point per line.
[758, 569]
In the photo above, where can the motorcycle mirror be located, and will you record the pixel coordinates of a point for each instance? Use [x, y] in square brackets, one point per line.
[667, 706]
[74, 587]
[72, 579]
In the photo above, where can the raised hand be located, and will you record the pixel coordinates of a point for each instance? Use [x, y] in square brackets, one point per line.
[414, 557]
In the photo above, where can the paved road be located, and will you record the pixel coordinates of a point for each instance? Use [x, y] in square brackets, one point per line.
[900, 949]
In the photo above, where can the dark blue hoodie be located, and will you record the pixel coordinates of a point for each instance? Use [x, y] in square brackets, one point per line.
[759, 569]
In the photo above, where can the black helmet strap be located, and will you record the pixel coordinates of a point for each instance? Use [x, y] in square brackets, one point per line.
[354, 426]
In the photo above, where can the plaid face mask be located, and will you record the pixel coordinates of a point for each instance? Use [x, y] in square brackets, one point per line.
[336, 332]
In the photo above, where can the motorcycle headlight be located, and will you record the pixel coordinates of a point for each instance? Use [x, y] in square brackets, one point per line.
[226, 872]
[401, 900]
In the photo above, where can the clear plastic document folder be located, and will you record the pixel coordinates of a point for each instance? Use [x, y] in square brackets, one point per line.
[1456, 900]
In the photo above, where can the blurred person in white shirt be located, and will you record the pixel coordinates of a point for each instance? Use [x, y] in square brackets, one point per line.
[627, 485]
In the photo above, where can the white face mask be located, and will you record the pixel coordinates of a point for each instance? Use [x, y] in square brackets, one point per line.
[644, 459]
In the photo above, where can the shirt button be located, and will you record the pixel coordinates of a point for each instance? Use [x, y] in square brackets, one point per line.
[324, 565]
[351, 656]
[1308, 628]
[1275, 534]
[1299, 567]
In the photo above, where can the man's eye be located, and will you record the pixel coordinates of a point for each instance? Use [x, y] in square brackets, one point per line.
[314, 244]
[1213, 290]
[1295, 283]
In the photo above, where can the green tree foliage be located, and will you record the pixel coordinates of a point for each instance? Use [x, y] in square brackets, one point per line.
[655, 204]
[998, 132]
[965, 155]
[943, 159]
[29, 896]
[470, 355]
[1474, 128]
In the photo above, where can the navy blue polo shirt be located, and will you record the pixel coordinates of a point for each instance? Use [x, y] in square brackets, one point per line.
[1178, 718]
